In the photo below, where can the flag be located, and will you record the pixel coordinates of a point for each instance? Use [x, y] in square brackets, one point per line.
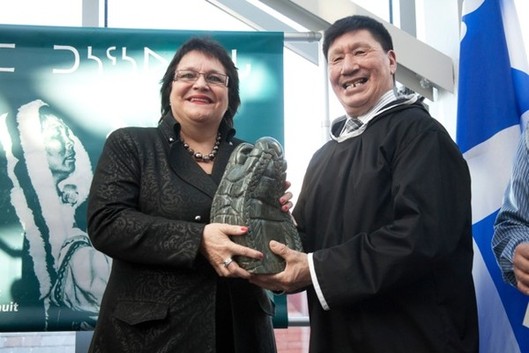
[493, 107]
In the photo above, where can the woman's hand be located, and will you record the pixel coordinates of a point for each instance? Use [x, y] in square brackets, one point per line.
[284, 200]
[218, 248]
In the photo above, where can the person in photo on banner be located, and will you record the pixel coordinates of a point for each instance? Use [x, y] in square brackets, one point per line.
[384, 214]
[510, 241]
[63, 276]
[174, 286]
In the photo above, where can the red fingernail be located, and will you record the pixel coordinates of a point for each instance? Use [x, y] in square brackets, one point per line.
[244, 229]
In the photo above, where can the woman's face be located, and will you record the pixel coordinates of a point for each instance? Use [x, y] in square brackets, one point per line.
[59, 146]
[199, 102]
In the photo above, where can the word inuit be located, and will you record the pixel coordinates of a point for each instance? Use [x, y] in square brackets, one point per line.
[4, 308]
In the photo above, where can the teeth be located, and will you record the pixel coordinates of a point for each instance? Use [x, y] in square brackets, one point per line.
[199, 100]
[355, 83]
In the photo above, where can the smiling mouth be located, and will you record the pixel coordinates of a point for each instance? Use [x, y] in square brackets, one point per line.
[199, 100]
[355, 83]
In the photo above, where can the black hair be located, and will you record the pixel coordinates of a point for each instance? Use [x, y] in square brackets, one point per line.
[355, 23]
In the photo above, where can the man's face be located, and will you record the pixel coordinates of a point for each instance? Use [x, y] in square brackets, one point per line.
[360, 71]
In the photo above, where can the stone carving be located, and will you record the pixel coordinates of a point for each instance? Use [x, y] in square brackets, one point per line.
[248, 194]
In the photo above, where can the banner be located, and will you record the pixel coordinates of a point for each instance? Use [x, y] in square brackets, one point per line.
[493, 107]
[62, 91]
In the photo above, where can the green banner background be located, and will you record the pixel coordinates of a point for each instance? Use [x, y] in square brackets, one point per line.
[95, 80]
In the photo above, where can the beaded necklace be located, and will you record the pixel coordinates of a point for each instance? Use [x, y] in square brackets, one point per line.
[199, 156]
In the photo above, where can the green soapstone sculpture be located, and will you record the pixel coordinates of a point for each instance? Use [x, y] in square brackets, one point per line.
[248, 195]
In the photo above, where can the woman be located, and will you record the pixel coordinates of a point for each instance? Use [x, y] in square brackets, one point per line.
[172, 288]
[63, 276]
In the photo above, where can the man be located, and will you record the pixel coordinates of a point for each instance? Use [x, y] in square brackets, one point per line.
[384, 214]
[511, 229]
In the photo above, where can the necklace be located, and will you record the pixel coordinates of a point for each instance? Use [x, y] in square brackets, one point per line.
[199, 156]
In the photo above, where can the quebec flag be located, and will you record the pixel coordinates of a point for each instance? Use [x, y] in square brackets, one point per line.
[493, 107]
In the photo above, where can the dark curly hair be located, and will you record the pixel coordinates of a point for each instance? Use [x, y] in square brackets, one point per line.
[214, 49]
[355, 23]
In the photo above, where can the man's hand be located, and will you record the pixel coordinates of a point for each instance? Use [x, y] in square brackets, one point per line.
[295, 276]
[521, 267]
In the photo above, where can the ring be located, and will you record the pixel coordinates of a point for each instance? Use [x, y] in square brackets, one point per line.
[227, 262]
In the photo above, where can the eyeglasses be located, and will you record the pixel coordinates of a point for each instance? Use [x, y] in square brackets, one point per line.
[212, 78]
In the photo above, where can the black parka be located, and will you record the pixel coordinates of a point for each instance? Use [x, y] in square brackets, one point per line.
[387, 215]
